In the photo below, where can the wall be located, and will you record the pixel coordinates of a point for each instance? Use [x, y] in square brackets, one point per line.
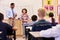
[31, 5]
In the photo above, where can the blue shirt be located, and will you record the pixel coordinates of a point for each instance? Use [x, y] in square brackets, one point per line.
[41, 25]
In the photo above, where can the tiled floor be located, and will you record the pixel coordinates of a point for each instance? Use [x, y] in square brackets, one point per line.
[20, 38]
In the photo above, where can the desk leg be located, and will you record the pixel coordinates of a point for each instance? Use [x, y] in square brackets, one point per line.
[14, 35]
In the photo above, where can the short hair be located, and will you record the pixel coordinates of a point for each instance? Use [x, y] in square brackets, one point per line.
[34, 18]
[51, 14]
[1, 16]
[42, 11]
[12, 4]
[24, 9]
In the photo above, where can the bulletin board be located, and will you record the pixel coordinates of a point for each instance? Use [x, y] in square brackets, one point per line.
[49, 5]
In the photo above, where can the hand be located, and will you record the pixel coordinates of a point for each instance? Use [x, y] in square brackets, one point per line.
[14, 28]
[10, 18]
[15, 15]
[18, 18]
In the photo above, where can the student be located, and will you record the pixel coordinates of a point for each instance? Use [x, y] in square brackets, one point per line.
[34, 19]
[53, 21]
[5, 28]
[42, 24]
[24, 18]
[11, 13]
[52, 32]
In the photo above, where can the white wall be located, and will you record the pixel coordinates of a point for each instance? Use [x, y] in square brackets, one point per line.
[58, 2]
[31, 5]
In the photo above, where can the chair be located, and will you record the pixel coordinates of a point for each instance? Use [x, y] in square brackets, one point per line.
[27, 30]
[3, 33]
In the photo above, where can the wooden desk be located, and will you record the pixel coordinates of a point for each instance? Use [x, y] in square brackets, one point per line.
[18, 24]
[35, 34]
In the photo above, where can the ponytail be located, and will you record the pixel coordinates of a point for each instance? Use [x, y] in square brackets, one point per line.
[53, 20]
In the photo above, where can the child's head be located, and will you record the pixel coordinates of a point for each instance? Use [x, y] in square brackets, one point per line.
[24, 10]
[51, 14]
[41, 12]
[34, 18]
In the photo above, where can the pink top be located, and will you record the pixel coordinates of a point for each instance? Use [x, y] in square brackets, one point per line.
[24, 19]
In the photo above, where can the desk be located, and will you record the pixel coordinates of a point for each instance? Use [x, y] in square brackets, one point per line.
[35, 34]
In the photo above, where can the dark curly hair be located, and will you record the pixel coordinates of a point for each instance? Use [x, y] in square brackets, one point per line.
[34, 18]
[51, 14]
[24, 9]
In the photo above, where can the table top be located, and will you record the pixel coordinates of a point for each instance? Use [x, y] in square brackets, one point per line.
[0, 32]
[35, 34]
[29, 28]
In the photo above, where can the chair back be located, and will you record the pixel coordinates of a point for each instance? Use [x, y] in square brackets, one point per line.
[3, 33]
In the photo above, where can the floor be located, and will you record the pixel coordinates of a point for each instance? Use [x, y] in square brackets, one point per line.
[20, 38]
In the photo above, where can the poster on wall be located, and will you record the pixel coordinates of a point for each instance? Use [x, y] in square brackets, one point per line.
[58, 10]
[50, 8]
[49, 5]
[46, 7]
[47, 2]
